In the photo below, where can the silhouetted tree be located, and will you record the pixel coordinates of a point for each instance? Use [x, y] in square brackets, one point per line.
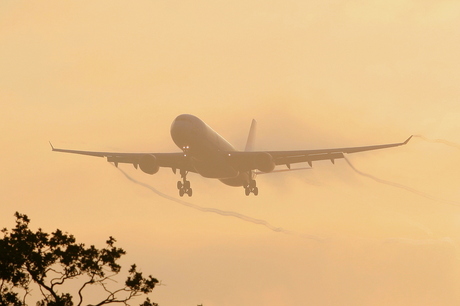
[49, 260]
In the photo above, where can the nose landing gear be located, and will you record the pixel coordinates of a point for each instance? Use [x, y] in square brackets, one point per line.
[184, 186]
[251, 188]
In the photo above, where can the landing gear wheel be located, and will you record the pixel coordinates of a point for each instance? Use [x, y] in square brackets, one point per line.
[184, 185]
[251, 188]
[247, 191]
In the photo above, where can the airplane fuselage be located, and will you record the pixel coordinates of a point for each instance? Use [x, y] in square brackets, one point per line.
[204, 147]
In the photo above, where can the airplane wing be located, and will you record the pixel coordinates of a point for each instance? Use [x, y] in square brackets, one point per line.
[169, 160]
[249, 160]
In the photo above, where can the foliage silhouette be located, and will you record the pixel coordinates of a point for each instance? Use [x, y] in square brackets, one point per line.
[49, 260]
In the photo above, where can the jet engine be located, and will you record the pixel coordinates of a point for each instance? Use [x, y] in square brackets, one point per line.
[264, 162]
[148, 164]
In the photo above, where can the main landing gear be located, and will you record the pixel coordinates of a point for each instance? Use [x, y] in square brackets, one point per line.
[251, 188]
[184, 186]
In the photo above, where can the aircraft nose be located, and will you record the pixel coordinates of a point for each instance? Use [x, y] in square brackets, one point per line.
[181, 129]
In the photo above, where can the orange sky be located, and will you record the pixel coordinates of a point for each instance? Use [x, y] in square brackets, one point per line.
[112, 75]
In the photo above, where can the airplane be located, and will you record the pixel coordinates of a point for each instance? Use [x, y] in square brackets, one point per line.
[207, 153]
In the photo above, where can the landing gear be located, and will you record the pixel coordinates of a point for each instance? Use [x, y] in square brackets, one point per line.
[184, 186]
[251, 188]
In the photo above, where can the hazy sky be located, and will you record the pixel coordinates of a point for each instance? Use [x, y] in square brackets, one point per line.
[112, 75]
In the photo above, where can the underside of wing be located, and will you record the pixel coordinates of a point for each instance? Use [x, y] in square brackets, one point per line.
[147, 162]
[265, 161]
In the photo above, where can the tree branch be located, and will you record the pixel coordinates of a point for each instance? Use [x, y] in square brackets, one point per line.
[111, 298]
[62, 274]
[43, 293]
[26, 294]
[91, 281]
[41, 283]
[63, 278]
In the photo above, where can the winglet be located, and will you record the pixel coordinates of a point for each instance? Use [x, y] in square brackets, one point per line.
[405, 142]
[52, 148]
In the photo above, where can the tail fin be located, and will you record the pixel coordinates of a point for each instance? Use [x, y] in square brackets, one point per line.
[251, 136]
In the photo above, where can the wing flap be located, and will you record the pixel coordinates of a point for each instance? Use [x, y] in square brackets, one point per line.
[286, 160]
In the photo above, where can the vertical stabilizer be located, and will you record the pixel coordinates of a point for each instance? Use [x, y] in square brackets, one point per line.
[251, 136]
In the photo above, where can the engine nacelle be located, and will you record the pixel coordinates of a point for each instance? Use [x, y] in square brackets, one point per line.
[148, 164]
[264, 162]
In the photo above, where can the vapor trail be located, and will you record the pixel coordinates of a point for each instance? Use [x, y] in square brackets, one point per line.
[415, 191]
[221, 212]
[446, 142]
